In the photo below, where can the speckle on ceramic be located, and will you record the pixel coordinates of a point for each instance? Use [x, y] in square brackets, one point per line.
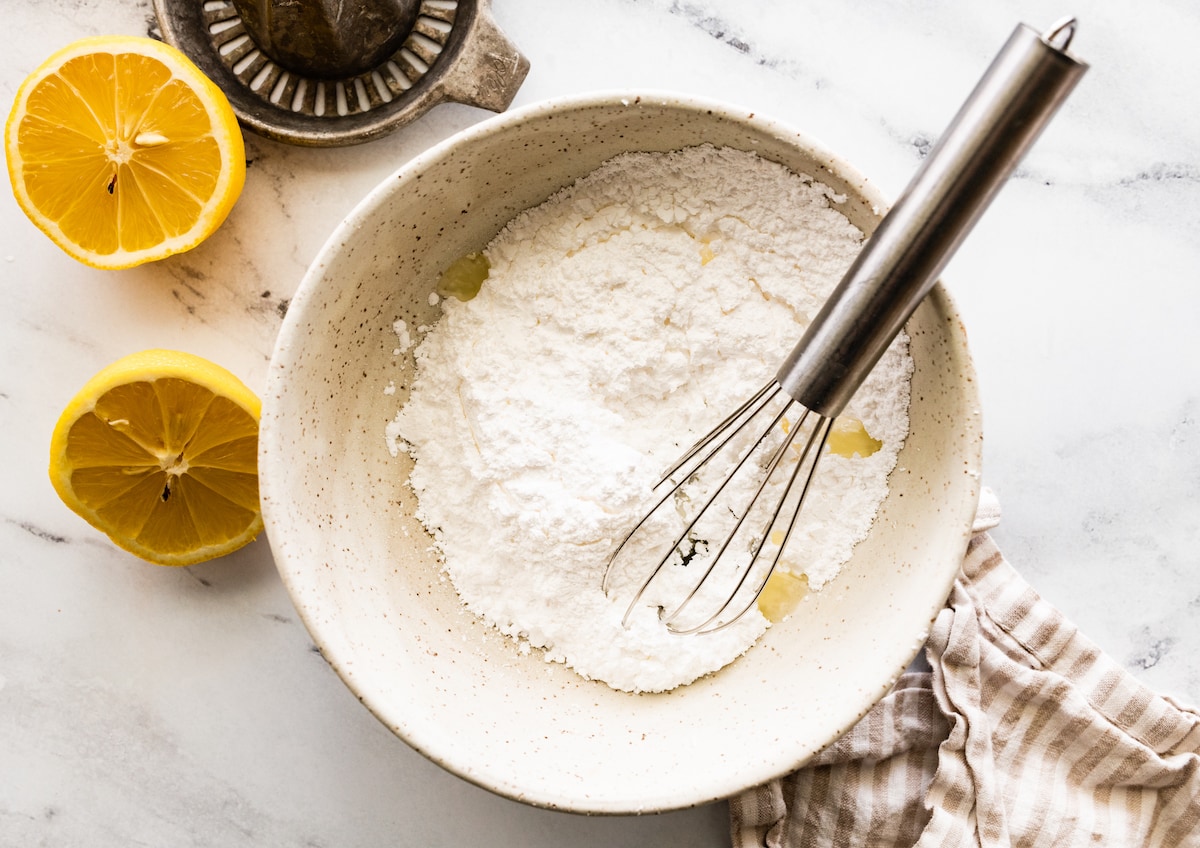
[359, 566]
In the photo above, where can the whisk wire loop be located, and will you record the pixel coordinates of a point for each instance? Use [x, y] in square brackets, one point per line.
[812, 446]
[754, 405]
[704, 451]
[670, 617]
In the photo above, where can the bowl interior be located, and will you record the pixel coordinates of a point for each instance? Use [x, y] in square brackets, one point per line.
[359, 567]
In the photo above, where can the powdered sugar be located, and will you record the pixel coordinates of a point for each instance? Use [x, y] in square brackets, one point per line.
[403, 336]
[620, 320]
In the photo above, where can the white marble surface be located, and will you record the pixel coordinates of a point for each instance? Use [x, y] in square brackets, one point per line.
[148, 706]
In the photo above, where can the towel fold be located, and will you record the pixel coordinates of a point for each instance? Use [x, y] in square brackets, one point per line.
[1023, 734]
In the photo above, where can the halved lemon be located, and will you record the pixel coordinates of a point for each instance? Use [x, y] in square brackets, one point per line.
[123, 152]
[160, 452]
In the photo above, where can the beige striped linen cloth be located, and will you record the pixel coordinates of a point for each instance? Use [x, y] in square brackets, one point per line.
[1023, 734]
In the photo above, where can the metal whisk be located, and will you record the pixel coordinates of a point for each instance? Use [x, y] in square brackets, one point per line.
[1017, 96]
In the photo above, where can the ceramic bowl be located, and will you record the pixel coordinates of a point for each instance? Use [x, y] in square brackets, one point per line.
[360, 570]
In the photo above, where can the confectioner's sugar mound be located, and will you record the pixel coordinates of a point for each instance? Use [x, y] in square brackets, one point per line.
[622, 319]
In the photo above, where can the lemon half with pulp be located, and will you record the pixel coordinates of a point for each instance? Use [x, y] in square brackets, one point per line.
[160, 451]
[123, 152]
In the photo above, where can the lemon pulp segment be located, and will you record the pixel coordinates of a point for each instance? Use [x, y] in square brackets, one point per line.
[464, 277]
[782, 594]
[849, 436]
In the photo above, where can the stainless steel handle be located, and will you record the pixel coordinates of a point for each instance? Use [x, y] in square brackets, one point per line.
[1018, 95]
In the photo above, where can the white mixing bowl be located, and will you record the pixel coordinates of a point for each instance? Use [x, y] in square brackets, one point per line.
[359, 568]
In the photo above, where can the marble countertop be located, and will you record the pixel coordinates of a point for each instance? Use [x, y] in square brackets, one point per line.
[187, 707]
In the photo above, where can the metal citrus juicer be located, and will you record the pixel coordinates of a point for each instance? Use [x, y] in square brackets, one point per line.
[324, 73]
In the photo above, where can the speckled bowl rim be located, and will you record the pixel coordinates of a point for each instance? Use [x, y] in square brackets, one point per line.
[275, 502]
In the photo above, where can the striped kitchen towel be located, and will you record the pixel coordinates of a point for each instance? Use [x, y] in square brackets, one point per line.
[1023, 734]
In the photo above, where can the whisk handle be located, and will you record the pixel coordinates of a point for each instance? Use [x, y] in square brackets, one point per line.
[1018, 95]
